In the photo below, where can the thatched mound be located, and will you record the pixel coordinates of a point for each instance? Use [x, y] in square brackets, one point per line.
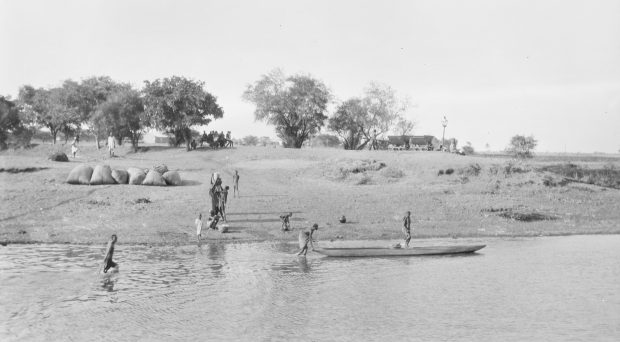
[154, 178]
[136, 176]
[102, 175]
[120, 176]
[80, 174]
[172, 178]
[59, 157]
[162, 168]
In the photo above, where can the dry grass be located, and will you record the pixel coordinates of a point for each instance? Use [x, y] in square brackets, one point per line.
[372, 189]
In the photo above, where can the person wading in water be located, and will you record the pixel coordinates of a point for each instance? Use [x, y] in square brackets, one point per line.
[107, 261]
[305, 239]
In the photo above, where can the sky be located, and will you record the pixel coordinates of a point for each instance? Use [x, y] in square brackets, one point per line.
[547, 68]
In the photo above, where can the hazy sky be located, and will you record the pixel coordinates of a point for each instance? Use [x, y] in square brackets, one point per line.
[494, 68]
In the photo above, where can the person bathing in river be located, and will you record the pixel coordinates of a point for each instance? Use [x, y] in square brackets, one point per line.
[286, 225]
[305, 239]
[236, 184]
[107, 261]
[198, 223]
[407, 228]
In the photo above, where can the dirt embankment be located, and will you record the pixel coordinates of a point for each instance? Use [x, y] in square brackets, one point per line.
[448, 195]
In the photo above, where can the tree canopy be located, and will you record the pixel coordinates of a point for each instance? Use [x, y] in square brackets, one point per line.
[177, 103]
[356, 118]
[9, 120]
[55, 108]
[122, 114]
[296, 105]
[521, 146]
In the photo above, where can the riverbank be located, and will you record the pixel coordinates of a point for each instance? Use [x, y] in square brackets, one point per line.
[476, 196]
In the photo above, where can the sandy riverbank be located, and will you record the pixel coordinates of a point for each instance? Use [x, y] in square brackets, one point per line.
[317, 185]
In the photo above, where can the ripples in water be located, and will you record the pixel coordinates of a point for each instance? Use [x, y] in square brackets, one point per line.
[521, 289]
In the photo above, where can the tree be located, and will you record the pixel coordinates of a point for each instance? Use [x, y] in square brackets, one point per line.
[9, 120]
[355, 119]
[468, 148]
[404, 126]
[264, 141]
[348, 122]
[296, 105]
[90, 95]
[122, 114]
[521, 146]
[250, 140]
[176, 104]
[325, 140]
[53, 108]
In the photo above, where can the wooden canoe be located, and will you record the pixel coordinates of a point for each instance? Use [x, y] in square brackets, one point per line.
[380, 252]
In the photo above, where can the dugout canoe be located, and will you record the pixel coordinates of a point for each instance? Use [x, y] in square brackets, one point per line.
[413, 251]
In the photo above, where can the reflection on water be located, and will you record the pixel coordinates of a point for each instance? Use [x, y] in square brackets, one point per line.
[518, 289]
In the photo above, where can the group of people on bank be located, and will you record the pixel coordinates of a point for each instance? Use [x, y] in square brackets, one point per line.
[219, 196]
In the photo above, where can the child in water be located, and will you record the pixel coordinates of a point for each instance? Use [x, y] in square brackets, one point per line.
[198, 223]
[286, 226]
[305, 239]
[107, 261]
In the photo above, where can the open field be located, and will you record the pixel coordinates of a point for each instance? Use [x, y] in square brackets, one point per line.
[483, 196]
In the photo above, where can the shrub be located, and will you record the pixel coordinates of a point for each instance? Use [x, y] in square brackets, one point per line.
[449, 171]
[468, 149]
[59, 157]
[392, 172]
[440, 173]
[364, 180]
[521, 146]
[471, 170]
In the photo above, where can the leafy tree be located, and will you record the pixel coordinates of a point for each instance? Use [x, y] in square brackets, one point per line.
[175, 104]
[348, 122]
[521, 146]
[325, 140]
[53, 108]
[9, 120]
[404, 126]
[122, 114]
[356, 119]
[468, 149]
[264, 141]
[296, 105]
[90, 95]
[250, 140]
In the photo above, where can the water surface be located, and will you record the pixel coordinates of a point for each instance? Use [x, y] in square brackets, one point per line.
[560, 288]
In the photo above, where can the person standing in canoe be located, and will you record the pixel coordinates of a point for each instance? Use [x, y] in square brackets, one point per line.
[305, 239]
[407, 228]
[107, 261]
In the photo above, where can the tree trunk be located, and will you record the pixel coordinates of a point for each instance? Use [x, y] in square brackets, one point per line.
[54, 133]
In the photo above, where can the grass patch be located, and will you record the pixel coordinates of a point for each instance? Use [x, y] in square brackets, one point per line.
[526, 216]
[392, 172]
[23, 170]
[358, 170]
[98, 202]
[608, 176]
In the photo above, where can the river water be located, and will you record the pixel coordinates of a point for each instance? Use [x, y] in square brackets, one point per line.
[523, 289]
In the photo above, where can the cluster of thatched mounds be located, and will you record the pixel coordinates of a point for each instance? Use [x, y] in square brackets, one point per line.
[102, 174]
